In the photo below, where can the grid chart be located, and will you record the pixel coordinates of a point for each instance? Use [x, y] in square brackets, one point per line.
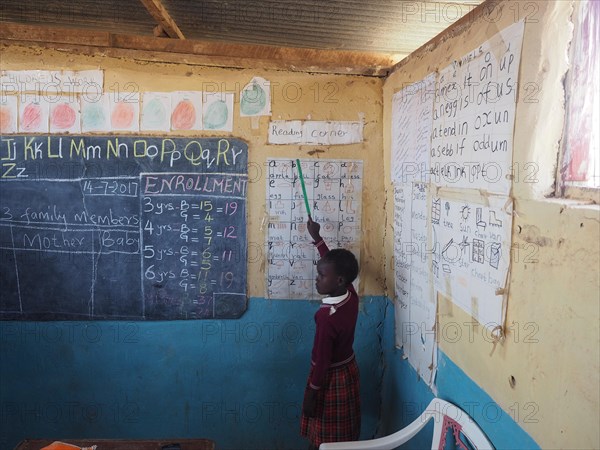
[333, 189]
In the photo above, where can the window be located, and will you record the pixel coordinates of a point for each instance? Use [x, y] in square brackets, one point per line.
[579, 170]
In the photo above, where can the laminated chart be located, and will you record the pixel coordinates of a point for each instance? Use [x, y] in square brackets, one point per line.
[334, 189]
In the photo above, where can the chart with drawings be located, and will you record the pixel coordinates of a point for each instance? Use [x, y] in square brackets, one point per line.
[471, 254]
[334, 190]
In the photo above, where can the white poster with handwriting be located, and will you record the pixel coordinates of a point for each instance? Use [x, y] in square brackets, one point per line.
[474, 116]
[315, 132]
[89, 82]
[415, 301]
[334, 191]
[402, 232]
[411, 131]
[471, 254]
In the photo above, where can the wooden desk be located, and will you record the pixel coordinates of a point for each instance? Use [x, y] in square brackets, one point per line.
[112, 444]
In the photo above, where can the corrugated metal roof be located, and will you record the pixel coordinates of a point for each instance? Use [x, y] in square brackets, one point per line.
[365, 25]
[394, 27]
[115, 16]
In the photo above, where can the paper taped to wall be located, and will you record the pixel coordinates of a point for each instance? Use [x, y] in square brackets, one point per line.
[471, 246]
[334, 191]
[474, 116]
[314, 132]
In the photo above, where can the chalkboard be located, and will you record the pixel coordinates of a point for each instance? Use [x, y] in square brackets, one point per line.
[122, 227]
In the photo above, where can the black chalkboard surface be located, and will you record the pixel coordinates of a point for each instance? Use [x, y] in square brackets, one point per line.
[122, 227]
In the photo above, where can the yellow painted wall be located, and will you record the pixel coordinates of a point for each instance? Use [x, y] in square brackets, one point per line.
[552, 342]
[294, 96]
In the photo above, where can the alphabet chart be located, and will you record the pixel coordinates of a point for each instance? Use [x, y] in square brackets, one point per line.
[333, 188]
[128, 227]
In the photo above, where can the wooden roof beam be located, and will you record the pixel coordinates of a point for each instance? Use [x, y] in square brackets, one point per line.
[163, 18]
[189, 51]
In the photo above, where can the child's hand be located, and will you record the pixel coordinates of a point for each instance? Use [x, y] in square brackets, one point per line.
[313, 229]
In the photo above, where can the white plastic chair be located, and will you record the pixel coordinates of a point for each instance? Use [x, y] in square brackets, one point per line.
[445, 415]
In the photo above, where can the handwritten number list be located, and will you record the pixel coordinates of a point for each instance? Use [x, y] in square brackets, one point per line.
[192, 242]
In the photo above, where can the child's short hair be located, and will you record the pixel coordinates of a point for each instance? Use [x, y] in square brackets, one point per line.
[344, 263]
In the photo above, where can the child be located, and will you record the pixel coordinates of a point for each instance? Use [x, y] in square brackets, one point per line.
[331, 408]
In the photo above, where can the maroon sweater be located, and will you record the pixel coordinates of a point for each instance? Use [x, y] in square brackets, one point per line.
[334, 335]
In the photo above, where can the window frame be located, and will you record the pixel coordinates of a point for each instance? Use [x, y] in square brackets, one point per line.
[567, 188]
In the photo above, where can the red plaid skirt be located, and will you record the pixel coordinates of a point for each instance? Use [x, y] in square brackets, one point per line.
[338, 407]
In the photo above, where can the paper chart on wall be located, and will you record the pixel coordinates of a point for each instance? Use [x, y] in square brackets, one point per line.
[255, 98]
[402, 232]
[333, 132]
[34, 112]
[95, 113]
[186, 113]
[474, 115]
[411, 131]
[315, 132]
[124, 112]
[416, 318]
[334, 190]
[471, 254]
[65, 115]
[156, 111]
[89, 82]
[217, 111]
[8, 114]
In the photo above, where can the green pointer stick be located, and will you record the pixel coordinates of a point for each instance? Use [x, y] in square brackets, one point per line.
[303, 187]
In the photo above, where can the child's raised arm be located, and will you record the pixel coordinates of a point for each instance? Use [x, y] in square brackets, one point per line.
[314, 229]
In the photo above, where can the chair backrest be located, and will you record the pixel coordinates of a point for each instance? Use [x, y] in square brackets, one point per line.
[445, 416]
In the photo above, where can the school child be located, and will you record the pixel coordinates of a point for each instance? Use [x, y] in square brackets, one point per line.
[331, 407]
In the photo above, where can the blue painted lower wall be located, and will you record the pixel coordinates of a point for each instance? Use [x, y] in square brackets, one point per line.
[405, 396]
[239, 382]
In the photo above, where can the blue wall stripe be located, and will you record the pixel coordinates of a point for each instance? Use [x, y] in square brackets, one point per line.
[239, 382]
[405, 396]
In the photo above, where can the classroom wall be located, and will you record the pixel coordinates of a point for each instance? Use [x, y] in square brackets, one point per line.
[545, 375]
[405, 396]
[205, 378]
[239, 382]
